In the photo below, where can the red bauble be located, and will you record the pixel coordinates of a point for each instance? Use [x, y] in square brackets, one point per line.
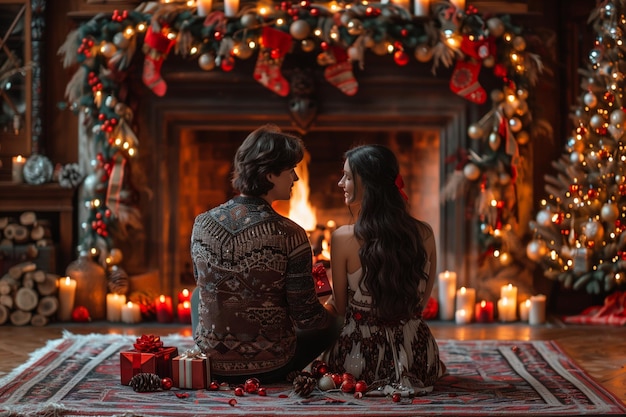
[239, 391]
[214, 386]
[401, 58]
[396, 397]
[228, 64]
[360, 386]
[431, 309]
[262, 392]
[337, 379]
[81, 314]
[167, 383]
[251, 385]
[348, 385]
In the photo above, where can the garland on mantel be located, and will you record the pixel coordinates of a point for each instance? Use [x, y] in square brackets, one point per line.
[340, 35]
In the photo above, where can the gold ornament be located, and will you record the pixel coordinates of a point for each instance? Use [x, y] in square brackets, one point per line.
[423, 53]
[300, 29]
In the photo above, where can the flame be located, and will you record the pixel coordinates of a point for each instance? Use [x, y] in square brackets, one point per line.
[300, 209]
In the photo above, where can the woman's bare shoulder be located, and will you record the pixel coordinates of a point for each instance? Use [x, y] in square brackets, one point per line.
[343, 232]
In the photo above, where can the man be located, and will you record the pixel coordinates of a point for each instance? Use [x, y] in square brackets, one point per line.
[255, 309]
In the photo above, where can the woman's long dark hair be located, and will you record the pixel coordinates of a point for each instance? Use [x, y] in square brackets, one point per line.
[392, 253]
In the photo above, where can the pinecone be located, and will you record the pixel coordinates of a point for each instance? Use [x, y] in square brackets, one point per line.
[304, 384]
[145, 382]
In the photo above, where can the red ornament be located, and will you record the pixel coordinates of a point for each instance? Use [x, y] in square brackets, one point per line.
[228, 64]
[167, 383]
[337, 379]
[80, 314]
[348, 385]
[251, 385]
[214, 386]
[262, 391]
[239, 391]
[360, 386]
[232, 402]
[396, 397]
[401, 58]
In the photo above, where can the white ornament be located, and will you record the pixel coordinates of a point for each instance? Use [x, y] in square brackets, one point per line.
[475, 131]
[593, 230]
[609, 212]
[590, 99]
[544, 217]
[326, 383]
[471, 171]
[536, 249]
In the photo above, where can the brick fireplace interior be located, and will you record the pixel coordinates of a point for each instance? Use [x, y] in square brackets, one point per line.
[189, 136]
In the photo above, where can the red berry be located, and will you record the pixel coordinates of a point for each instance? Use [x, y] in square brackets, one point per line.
[232, 402]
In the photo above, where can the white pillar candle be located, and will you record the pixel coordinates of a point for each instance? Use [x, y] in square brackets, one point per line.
[447, 292]
[537, 312]
[466, 300]
[67, 292]
[114, 306]
[524, 308]
[204, 7]
[131, 313]
[509, 291]
[421, 7]
[231, 8]
[462, 316]
[17, 168]
[506, 309]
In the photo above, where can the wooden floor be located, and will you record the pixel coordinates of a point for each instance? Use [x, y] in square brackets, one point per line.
[600, 350]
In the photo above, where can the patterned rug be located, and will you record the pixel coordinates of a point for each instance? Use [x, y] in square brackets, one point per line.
[80, 376]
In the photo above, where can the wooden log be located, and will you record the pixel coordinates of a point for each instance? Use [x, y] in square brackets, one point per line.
[4, 222]
[28, 281]
[4, 314]
[16, 271]
[38, 320]
[39, 276]
[39, 232]
[20, 317]
[6, 242]
[44, 243]
[17, 233]
[48, 306]
[28, 218]
[26, 299]
[49, 286]
[8, 284]
[7, 301]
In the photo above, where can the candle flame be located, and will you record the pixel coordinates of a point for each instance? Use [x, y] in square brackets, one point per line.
[185, 292]
[186, 304]
[162, 298]
[67, 281]
[483, 303]
[129, 304]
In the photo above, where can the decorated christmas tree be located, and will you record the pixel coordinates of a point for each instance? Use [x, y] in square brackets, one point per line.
[580, 229]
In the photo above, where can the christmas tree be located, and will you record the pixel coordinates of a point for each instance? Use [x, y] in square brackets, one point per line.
[580, 229]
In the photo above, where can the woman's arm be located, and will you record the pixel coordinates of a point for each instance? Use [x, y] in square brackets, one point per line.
[339, 267]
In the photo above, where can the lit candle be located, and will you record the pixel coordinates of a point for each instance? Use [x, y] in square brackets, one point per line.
[507, 309]
[231, 7]
[131, 313]
[465, 300]
[204, 7]
[537, 312]
[184, 312]
[524, 308]
[484, 312]
[183, 296]
[67, 292]
[462, 316]
[421, 7]
[114, 306]
[164, 310]
[447, 291]
[17, 168]
[509, 291]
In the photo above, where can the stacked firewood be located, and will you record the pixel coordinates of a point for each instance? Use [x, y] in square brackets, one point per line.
[28, 294]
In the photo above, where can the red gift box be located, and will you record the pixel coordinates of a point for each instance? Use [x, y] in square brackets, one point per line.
[151, 358]
[191, 371]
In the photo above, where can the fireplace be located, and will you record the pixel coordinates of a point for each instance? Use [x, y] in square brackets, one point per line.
[188, 139]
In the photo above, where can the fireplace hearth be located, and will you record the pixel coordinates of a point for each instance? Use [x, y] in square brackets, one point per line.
[189, 136]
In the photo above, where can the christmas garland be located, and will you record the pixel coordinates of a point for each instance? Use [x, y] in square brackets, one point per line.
[103, 49]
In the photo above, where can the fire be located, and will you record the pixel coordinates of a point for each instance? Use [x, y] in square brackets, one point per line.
[300, 209]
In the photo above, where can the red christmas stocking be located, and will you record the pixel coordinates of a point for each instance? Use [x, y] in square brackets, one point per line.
[274, 46]
[340, 73]
[156, 47]
[464, 81]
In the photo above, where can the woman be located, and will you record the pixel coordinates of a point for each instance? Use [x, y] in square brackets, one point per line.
[255, 309]
[383, 269]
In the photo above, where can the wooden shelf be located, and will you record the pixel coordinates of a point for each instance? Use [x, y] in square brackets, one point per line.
[44, 198]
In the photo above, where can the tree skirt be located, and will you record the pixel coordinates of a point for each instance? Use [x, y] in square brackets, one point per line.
[79, 375]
